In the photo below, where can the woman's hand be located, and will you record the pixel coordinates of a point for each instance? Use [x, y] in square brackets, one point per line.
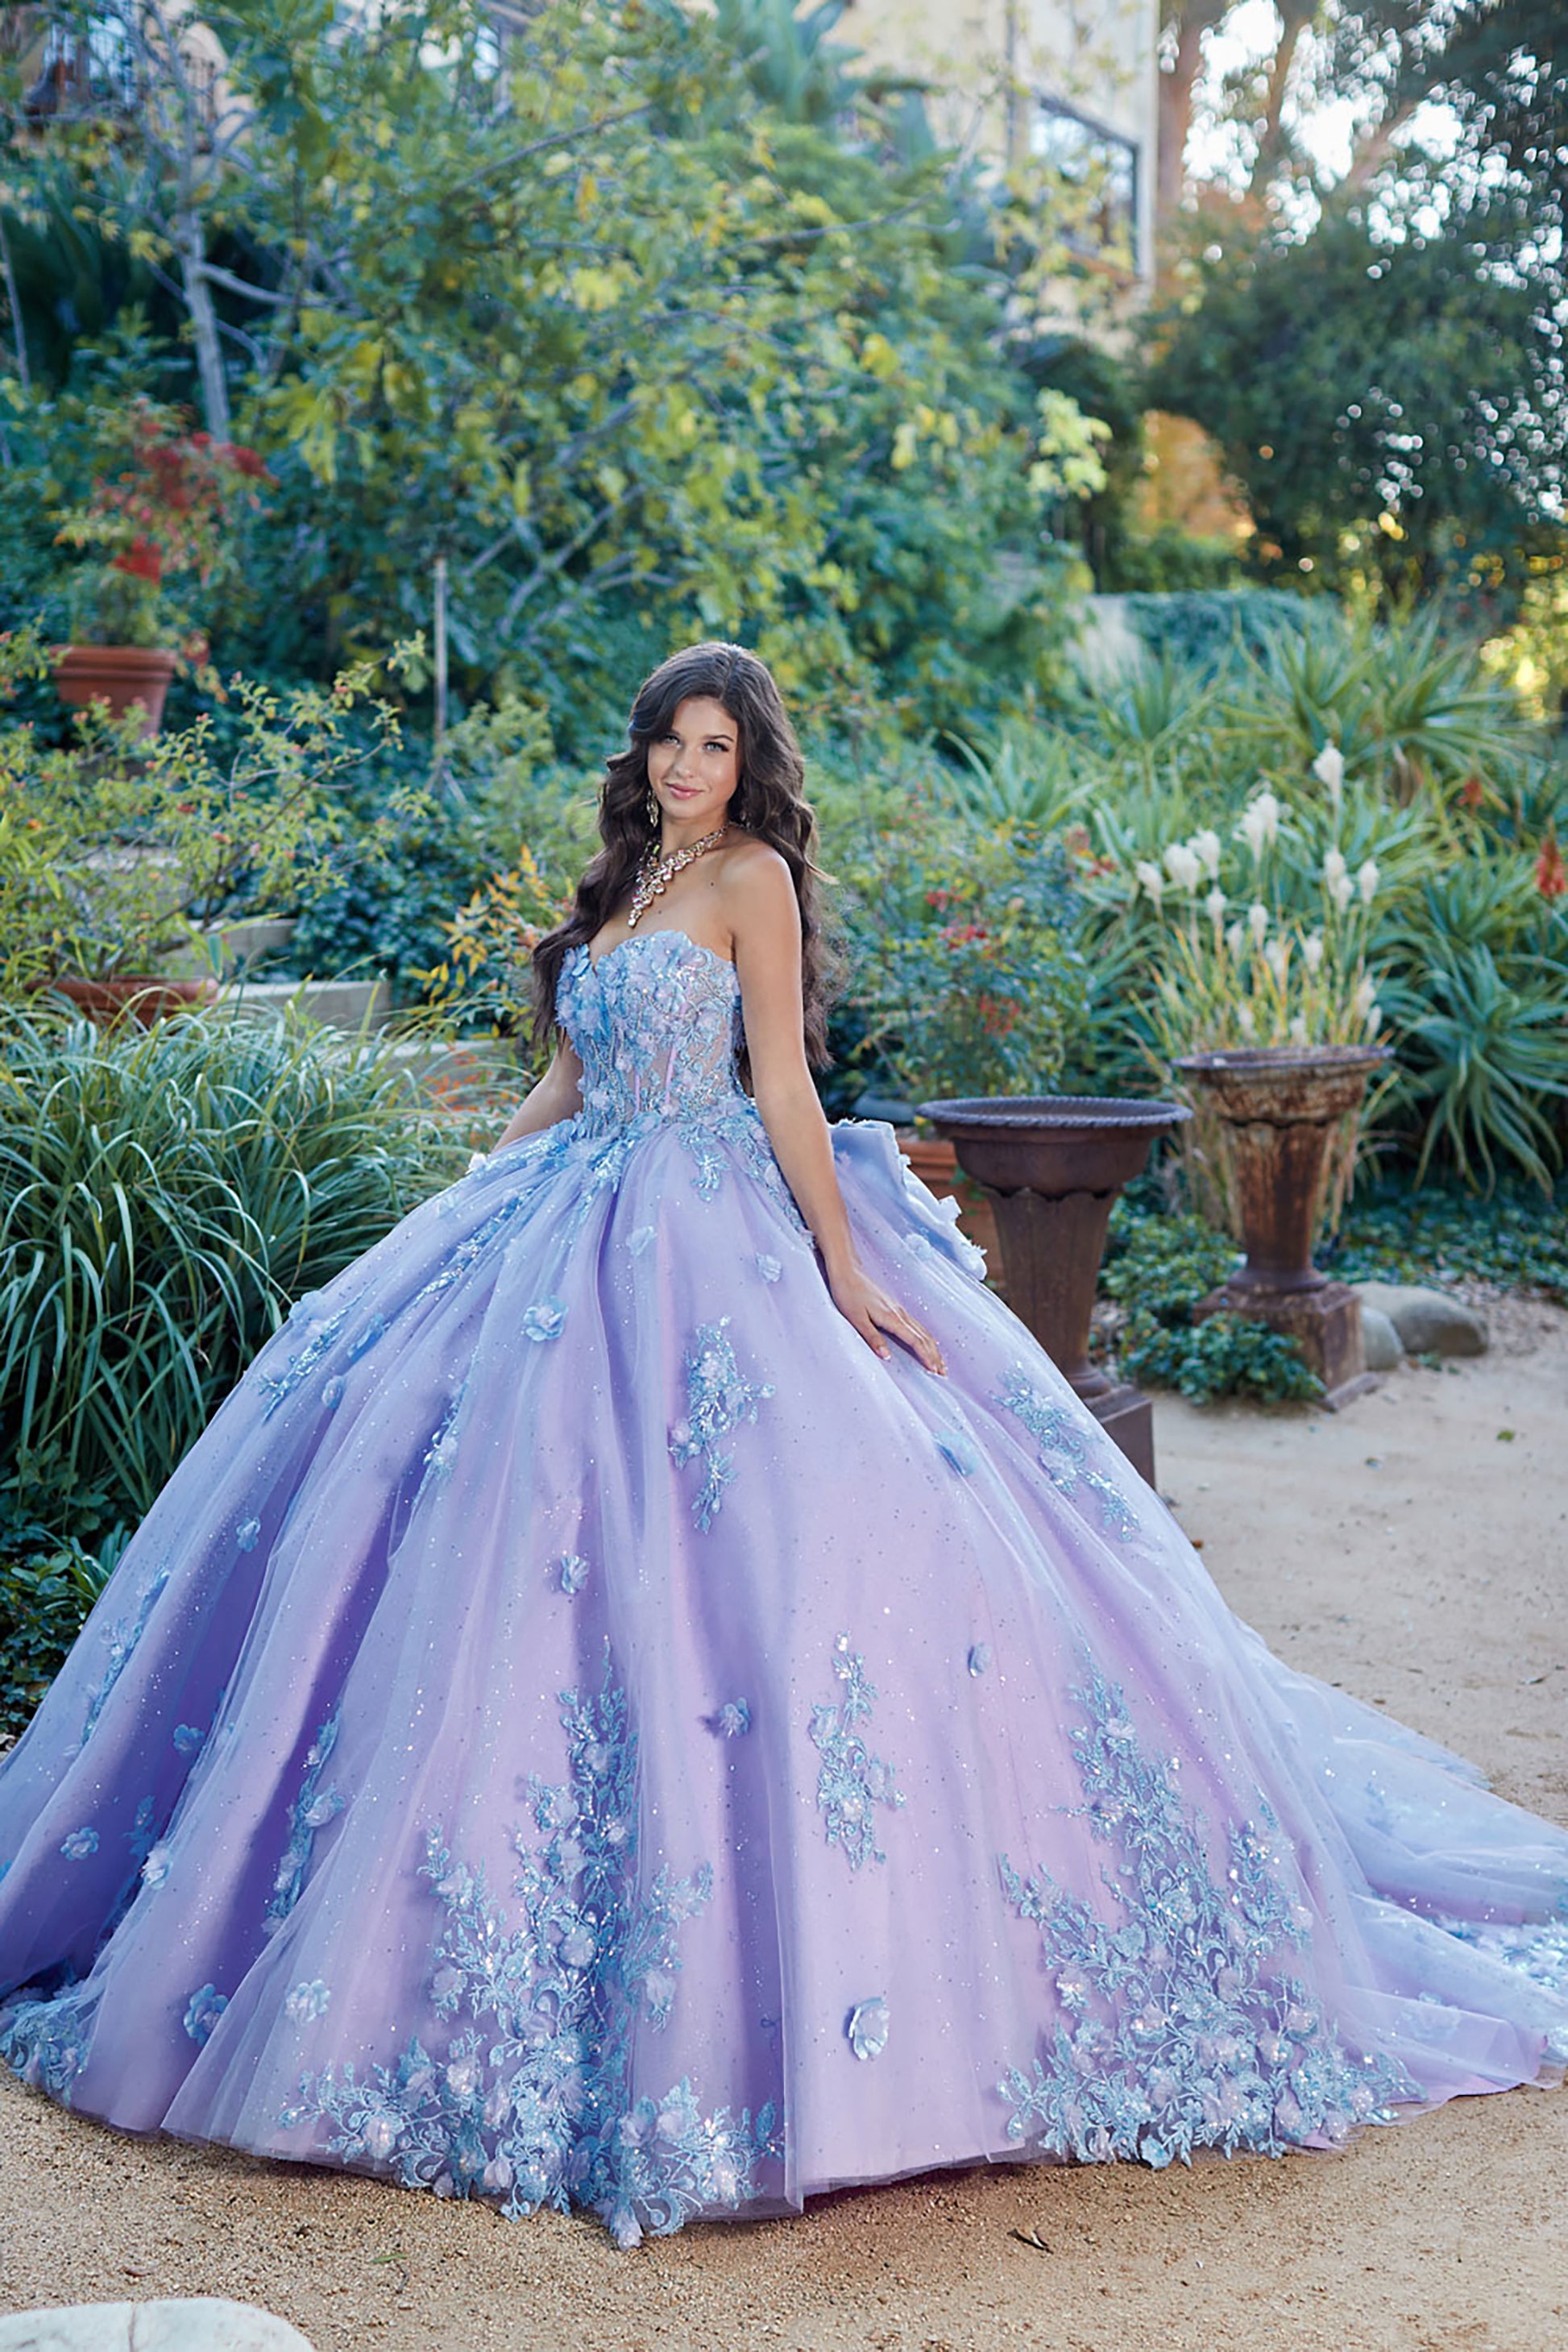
[867, 1306]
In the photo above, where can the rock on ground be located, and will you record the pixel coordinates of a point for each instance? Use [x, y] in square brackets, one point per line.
[190, 2323]
[1380, 1338]
[1429, 1322]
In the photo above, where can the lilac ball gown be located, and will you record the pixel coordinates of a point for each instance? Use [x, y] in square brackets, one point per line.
[579, 1729]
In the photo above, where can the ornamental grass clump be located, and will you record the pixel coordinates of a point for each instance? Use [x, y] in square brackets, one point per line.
[164, 1197]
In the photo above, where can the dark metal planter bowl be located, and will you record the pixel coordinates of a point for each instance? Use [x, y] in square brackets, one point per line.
[1052, 1165]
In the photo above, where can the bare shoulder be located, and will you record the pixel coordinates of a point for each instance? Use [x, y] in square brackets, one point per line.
[758, 888]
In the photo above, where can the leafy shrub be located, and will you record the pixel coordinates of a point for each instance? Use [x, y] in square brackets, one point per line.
[45, 1597]
[1158, 1267]
[1395, 1232]
[962, 966]
[164, 1197]
[1202, 625]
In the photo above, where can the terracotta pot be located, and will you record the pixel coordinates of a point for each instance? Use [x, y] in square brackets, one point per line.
[121, 675]
[935, 1162]
[107, 1003]
[1280, 1106]
[1051, 1166]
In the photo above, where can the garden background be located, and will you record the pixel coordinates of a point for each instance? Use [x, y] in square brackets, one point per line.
[420, 383]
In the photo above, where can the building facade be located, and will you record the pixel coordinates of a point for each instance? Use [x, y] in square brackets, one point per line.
[1072, 83]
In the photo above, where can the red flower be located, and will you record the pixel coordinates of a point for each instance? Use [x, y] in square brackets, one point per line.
[248, 461]
[142, 560]
[1472, 791]
[959, 935]
[1550, 873]
[938, 899]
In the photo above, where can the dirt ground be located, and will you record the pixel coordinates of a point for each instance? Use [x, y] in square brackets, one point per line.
[1414, 1547]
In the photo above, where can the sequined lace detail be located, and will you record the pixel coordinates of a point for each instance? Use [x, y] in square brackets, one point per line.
[122, 1643]
[1184, 2027]
[1065, 1451]
[646, 1044]
[313, 1808]
[719, 1397]
[46, 2043]
[530, 2103]
[851, 1782]
[657, 1022]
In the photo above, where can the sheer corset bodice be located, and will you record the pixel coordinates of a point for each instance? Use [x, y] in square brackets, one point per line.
[655, 1022]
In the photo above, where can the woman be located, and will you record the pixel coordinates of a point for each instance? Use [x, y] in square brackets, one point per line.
[653, 1695]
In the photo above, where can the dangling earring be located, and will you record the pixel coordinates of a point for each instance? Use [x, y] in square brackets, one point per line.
[652, 809]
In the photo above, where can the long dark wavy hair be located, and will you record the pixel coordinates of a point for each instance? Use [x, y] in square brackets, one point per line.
[769, 801]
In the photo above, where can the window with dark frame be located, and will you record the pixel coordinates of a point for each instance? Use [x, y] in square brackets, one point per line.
[1102, 162]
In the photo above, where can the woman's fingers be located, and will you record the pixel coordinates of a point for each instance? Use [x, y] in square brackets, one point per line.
[914, 1335]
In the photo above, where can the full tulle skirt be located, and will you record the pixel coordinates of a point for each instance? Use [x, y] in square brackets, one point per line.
[578, 1728]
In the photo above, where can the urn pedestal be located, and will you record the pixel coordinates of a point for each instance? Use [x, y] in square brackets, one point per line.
[1280, 1106]
[1051, 1167]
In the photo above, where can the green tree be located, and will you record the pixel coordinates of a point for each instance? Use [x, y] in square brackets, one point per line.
[1394, 411]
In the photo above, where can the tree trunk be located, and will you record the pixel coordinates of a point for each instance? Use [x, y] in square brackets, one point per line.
[1192, 19]
[192, 246]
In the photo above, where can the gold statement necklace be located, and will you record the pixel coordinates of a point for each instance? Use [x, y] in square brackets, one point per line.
[656, 874]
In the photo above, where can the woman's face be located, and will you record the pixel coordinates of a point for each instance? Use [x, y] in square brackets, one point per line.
[695, 767]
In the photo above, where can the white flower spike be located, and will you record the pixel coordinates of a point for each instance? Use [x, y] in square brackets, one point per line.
[1183, 866]
[1329, 768]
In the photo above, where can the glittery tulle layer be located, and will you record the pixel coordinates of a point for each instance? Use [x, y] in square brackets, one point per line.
[578, 1729]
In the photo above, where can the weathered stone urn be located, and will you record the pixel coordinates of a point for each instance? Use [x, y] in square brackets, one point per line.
[1280, 1106]
[1051, 1166]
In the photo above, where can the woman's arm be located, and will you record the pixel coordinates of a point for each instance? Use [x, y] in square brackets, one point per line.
[765, 920]
[558, 1095]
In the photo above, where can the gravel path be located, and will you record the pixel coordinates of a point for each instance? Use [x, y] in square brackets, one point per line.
[1411, 1549]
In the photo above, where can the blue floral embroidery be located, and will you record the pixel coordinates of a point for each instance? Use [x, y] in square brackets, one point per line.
[248, 1534]
[867, 2027]
[442, 1450]
[313, 1808]
[658, 1025]
[732, 1720]
[188, 1739]
[851, 1780]
[79, 1844]
[469, 1252]
[156, 1869]
[140, 1836]
[307, 2002]
[529, 2102]
[957, 1447]
[1064, 1453]
[46, 2043]
[572, 1569]
[1537, 1949]
[718, 1398]
[641, 1239]
[123, 1642]
[1183, 2028]
[979, 1657]
[202, 2013]
[543, 1319]
[279, 1386]
[768, 1266]
[332, 1391]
